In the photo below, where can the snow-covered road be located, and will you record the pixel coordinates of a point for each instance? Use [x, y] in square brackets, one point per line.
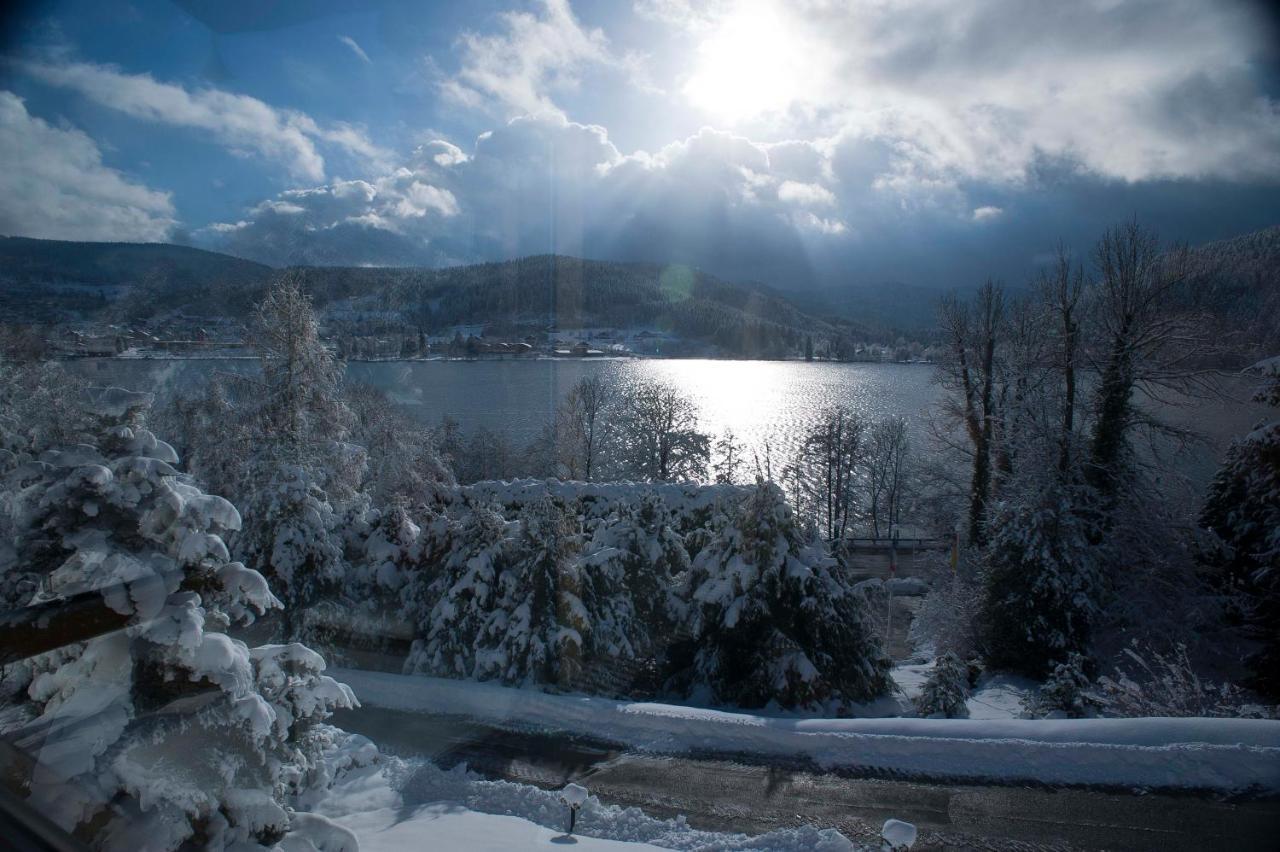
[1203, 754]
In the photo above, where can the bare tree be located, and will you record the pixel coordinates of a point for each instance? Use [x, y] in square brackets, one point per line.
[829, 458]
[1144, 343]
[729, 452]
[1061, 291]
[579, 428]
[885, 463]
[657, 438]
[968, 374]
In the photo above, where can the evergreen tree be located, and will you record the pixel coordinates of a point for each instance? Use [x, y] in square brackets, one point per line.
[535, 632]
[635, 560]
[774, 621]
[1243, 510]
[451, 609]
[167, 732]
[291, 538]
[946, 689]
[1066, 693]
[1041, 581]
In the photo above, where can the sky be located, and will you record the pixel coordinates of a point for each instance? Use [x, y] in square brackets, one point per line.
[793, 142]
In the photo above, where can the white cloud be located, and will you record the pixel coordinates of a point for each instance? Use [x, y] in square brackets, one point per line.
[240, 122]
[542, 183]
[822, 225]
[518, 69]
[356, 49]
[1133, 90]
[986, 212]
[55, 186]
[806, 194]
[441, 152]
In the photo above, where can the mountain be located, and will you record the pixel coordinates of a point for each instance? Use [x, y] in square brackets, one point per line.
[1237, 282]
[48, 281]
[53, 280]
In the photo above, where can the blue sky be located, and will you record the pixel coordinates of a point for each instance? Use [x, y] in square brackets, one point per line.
[806, 142]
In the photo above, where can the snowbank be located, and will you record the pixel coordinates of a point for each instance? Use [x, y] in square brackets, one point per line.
[1219, 754]
[391, 805]
[444, 826]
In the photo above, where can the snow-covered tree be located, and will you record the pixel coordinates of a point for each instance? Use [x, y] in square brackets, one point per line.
[1041, 581]
[39, 407]
[403, 460]
[775, 622]
[290, 537]
[452, 609]
[534, 632]
[298, 460]
[945, 690]
[1066, 692]
[301, 405]
[636, 557]
[1243, 511]
[165, 732]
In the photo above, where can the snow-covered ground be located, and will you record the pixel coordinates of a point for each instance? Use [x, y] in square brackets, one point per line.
[1221, 754]
[445, 826]
[994, 697]
[392, 805]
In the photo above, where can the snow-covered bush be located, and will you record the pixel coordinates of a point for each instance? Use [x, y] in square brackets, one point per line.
[774, 620]
[167, 732]
[1067, 693]
[945, 690]
[948, 616]
[1167, 685]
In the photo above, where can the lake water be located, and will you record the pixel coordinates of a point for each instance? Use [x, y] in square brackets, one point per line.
[763, 402]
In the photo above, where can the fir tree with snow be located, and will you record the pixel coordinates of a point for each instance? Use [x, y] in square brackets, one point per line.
[638, 554]
[166, 732]
[452, 608]
[1243, 511]
[775, 622]
[290, 537]
[945, 690]
[535, 631]
[1041, 582]
[1066, 693]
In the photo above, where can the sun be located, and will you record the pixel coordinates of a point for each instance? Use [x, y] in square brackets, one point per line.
[750, 64]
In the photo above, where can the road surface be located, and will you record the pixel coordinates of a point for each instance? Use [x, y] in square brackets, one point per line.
[728, 795]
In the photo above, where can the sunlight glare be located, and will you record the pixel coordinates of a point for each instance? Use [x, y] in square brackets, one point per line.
[751, 64]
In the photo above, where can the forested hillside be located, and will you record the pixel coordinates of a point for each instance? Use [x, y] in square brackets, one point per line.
[49, 281]
[1237, 281]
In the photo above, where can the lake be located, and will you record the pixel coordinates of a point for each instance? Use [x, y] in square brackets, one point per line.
[763, 402]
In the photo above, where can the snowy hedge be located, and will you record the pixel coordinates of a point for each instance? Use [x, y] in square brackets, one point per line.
[620, 588]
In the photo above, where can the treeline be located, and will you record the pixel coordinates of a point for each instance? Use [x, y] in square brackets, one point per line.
[1059, 466]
